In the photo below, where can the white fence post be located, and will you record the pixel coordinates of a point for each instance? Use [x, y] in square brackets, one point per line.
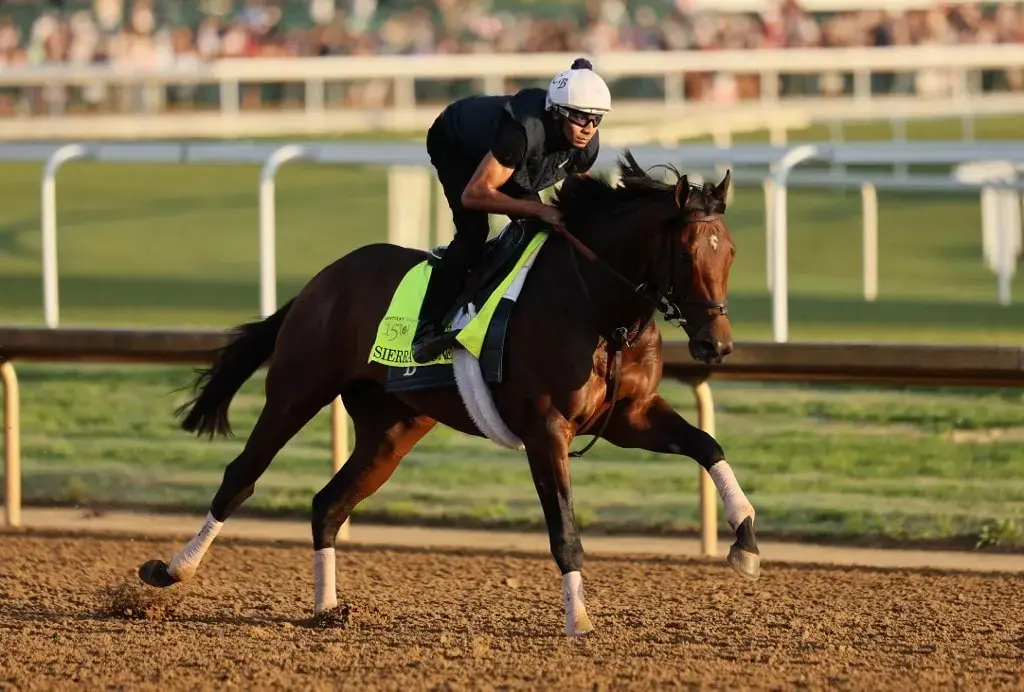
[769, 242]
[409, 206]
[1008, 234]
[1000, 220]
[869, 214]
[989, 225]
[51, 297]
[268, 224]
[339, 452]
[707, 494]
[780, 232]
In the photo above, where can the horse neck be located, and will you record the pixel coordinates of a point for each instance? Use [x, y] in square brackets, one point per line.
[616, 304]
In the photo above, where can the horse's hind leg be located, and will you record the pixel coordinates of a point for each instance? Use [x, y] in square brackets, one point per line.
[386, 429]
[284, 414]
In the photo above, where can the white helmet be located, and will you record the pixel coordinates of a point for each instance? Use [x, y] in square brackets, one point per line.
[580, 88]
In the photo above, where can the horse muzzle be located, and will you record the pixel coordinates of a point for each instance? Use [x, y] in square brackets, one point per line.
[709, 350]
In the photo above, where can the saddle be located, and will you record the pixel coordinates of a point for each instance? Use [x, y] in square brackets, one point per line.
[499, 256]
[491, 287]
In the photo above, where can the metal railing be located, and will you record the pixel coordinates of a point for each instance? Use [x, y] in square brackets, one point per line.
[408, 169]
[491, 71]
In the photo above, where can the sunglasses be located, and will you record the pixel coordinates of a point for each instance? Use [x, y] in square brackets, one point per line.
[579, 118]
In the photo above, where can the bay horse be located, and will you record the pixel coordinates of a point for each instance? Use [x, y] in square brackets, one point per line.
[583, 357]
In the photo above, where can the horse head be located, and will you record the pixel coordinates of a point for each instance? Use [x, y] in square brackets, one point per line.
[668, 239]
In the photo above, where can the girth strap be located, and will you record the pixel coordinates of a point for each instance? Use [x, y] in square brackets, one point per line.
[615, 351]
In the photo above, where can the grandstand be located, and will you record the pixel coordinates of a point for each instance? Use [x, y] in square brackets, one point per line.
[160, 35]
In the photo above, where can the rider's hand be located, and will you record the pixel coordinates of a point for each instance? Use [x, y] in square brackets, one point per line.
[551, 215]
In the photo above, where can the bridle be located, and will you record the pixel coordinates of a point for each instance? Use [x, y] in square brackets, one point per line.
[663, 301]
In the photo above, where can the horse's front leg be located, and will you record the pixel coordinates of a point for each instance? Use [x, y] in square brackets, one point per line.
[653, 425]
[547, 448]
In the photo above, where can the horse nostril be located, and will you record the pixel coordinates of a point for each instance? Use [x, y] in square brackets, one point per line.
[723, 349]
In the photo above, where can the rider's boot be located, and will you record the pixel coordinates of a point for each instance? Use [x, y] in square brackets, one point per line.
[444, 286]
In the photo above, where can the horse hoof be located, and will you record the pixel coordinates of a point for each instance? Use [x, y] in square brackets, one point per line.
[581, 629]
[155, 573]
[744, 556]
[579, 626]
[746, 564]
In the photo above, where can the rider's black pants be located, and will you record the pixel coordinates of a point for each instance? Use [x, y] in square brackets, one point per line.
[454, 171]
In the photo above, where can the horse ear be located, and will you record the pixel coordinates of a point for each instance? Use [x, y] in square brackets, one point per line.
[682, 192]
[722, 190]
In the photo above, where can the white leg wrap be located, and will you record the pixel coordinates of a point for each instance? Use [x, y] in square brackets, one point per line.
[325, 590]
[737, 507]
[576, 619]
[185, 563]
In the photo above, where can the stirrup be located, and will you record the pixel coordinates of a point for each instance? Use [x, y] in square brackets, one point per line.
[430, 345]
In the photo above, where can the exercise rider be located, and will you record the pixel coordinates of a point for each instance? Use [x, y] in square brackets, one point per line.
[493, 155]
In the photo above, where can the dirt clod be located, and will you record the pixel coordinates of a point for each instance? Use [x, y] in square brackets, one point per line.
[335, 617]
[134, 601]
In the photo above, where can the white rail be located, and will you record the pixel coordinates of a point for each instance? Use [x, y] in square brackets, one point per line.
[51, 299]
[406, 164]
[268, 223]
[959, 94]
[496, 67]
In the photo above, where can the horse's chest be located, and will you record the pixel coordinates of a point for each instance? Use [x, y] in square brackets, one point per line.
[596, 396]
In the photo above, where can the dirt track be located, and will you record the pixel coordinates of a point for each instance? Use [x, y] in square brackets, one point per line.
[462, 619]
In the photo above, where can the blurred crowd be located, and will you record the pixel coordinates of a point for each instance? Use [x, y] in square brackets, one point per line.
[155, 31]
[185, 32]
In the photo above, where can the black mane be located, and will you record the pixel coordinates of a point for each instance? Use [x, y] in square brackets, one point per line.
[582, 197]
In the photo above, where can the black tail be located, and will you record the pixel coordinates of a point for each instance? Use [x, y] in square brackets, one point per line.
[250, 346]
